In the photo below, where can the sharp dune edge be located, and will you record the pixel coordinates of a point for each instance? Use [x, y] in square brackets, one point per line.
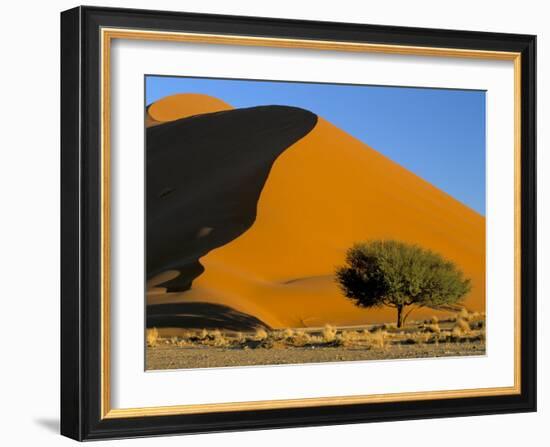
[323, 193]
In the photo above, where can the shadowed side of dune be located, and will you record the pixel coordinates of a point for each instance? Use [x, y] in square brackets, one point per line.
[205, 174]
[200, 316]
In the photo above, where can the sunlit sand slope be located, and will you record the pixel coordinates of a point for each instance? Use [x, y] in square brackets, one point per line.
[182, 105]
[325, 192]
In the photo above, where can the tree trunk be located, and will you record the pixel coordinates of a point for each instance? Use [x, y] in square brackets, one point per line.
[399, 316]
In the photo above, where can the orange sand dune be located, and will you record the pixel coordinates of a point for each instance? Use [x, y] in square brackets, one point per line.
[324, 193]
[182, 105]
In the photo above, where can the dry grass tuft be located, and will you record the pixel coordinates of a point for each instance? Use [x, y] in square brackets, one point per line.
[186, 335]
[300, 338]
[277, 335]
[460, 328]
[329, 334]
[218, 339]
[288, 333]
[463, 325]
[260, 334]
[152, 337]
[349, 338]
[464, 314]
[432, 328]
[216, 333]
[240, 337]
[456, 332]
[364, 332]
[424, 338]
[378, 339]
[203, 334]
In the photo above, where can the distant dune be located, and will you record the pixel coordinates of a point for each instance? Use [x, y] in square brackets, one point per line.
[319, 191]
[182, 105]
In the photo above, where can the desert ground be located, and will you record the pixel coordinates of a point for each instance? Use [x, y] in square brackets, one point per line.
[460, 335]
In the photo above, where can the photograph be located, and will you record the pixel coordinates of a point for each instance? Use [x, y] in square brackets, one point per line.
[303, 222]
[272, 221]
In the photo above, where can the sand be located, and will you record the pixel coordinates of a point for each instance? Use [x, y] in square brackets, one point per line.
[325, 192]
[184, 105]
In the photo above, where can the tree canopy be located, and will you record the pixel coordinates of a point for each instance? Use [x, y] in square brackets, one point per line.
[393, 273]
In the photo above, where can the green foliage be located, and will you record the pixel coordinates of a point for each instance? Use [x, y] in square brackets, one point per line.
[396, 274]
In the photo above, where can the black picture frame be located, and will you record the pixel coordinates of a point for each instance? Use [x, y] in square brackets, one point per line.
[81, 392]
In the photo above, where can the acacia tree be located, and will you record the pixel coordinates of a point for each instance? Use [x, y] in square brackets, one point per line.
[400, 275]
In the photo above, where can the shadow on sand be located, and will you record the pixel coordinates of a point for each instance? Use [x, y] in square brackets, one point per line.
[200, 316]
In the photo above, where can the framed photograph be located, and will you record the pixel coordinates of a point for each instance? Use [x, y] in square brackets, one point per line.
[277, 223]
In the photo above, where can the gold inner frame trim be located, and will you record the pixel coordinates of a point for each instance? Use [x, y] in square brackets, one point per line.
[107, 35]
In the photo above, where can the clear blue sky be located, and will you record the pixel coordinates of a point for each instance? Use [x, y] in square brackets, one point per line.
[439, 134]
